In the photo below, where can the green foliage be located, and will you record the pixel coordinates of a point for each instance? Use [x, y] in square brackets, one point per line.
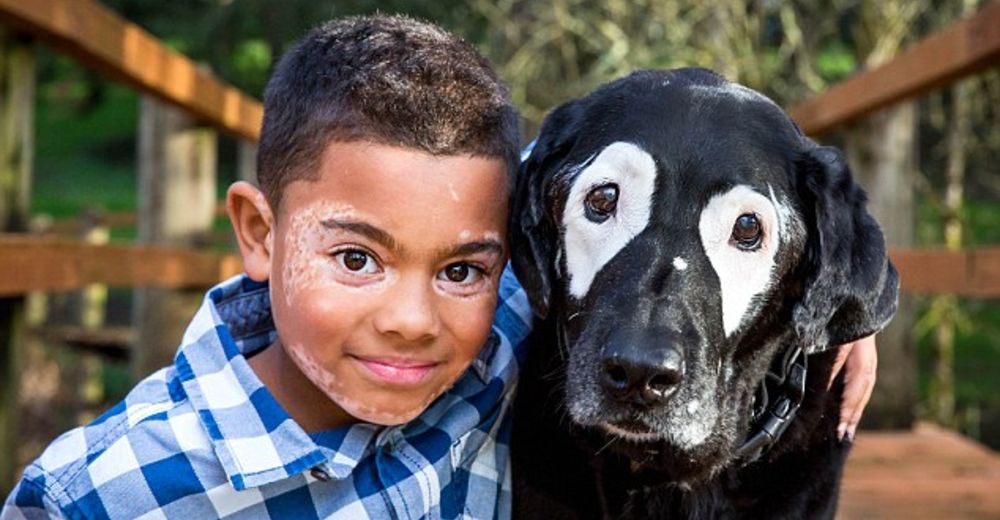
[84, 157]
[835, 62]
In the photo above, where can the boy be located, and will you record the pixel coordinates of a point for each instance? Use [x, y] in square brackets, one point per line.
[374, 252]
[353, 371]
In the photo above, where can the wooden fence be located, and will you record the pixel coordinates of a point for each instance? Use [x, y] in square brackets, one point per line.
[100, 39]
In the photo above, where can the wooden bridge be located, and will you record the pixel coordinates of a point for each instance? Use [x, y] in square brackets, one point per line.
[924, 473]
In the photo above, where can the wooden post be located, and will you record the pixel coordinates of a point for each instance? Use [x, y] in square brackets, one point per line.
[177, 198]
[17, 103]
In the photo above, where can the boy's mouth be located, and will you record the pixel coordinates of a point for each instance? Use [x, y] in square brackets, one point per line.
[401, 372]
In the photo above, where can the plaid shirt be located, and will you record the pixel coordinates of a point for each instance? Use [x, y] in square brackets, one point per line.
[205, 438]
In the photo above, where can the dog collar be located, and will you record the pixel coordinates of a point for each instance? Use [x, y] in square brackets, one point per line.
[775, 404]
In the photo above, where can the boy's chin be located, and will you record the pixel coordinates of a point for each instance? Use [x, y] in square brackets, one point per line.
[396, 413]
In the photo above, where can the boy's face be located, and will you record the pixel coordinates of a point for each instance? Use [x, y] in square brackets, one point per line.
[384, 274]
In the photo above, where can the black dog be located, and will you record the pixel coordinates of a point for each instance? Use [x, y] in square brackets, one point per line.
[688, 251]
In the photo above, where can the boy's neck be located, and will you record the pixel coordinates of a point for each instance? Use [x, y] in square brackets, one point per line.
[307, 405]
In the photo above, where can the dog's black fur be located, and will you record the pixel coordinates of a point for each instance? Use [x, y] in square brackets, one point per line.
[832, 284]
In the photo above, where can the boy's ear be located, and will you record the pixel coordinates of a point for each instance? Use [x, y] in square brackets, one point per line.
[253, 223]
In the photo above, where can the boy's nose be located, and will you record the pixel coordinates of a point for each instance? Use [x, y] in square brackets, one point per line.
[409, 312]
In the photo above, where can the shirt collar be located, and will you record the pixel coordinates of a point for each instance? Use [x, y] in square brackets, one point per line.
[255, 440]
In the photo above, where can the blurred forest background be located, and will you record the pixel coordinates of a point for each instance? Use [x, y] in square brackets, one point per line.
[549, 52]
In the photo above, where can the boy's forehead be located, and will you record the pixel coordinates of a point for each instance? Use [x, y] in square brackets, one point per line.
[381, 179]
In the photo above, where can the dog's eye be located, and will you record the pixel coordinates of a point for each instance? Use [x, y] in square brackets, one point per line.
[747, 232]
[601, 202]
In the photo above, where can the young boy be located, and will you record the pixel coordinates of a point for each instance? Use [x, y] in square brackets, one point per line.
[345, 374]
[353, 371]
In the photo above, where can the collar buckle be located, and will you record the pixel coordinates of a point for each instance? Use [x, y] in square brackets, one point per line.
[776, 403]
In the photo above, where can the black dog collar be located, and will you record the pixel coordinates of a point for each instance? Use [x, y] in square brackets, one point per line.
[777, 401]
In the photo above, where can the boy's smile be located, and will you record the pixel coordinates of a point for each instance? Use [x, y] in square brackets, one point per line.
[383, 276]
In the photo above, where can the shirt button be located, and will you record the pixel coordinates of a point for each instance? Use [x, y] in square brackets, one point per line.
[319, 474]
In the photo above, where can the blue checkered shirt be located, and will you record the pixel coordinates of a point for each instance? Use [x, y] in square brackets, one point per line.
[205, 438]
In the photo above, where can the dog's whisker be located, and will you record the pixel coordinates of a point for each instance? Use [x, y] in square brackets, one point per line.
[609, 443]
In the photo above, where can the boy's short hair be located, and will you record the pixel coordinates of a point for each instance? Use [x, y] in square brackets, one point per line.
[386, 79]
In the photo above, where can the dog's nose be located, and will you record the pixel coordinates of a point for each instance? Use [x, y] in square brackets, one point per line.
[646, 376]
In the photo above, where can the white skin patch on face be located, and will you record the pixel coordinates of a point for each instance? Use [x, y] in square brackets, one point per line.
[680, 264]
[742, 274]
[590, 245]
[334, 389]
[308, 264]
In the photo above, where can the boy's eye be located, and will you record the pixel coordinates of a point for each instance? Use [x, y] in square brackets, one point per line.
[461, 273]
[357, 261]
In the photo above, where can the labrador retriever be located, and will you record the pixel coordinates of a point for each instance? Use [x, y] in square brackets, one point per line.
[692, 259]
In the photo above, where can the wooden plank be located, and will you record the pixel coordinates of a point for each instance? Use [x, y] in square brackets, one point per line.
[972, 272]
[52, 264]
[925, 473]
[964, 48]
[43, 264]
[104, 41]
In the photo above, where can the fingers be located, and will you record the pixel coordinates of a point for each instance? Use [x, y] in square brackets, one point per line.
[838, 363]
[859, 381]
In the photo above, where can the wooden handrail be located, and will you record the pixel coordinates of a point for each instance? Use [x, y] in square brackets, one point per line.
[48, 264]
[964, 48]
[101, 39]
[970, 272]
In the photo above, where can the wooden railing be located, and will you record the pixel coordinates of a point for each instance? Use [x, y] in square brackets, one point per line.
[100, 39]
[963, 49]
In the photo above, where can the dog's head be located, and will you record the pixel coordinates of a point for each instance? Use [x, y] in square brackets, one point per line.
[682, 231]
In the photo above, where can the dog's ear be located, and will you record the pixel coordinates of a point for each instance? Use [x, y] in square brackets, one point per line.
[851, 287]
[534, 234]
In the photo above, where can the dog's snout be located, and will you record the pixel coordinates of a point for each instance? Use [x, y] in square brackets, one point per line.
[640, 373]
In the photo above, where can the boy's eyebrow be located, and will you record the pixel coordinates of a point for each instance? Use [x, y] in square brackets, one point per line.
[364, 229]
[469, 248]
[383, 237]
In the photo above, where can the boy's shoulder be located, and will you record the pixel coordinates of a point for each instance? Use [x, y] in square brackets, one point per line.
[151, 436]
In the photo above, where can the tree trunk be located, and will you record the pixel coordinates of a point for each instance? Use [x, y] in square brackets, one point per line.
[17, 120]
[942, 385]
[882, 152]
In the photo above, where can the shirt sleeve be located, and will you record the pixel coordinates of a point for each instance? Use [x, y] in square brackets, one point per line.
[29, 501]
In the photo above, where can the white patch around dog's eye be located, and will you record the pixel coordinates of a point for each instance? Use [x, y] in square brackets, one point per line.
[744, 272]
[680, 264]
[589, 243]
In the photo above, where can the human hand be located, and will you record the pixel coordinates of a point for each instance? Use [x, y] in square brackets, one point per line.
[860, 361]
